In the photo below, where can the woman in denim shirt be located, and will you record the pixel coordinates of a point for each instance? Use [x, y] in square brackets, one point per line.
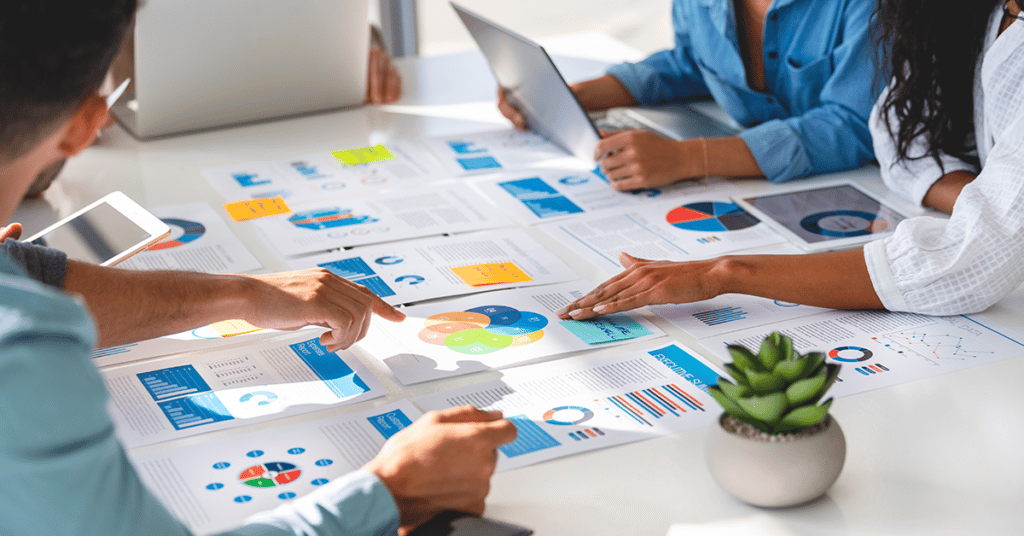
[800, 74]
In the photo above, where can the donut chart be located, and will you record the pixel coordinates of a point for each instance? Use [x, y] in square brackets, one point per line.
[710, 217]
[842, 223]
[191, 231]
[842, 354]
[568, 415]
[483, 330]
[270, 474]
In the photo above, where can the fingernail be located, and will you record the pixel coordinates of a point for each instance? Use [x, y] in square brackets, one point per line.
[560, 311]
[575, 312]
[600, 308]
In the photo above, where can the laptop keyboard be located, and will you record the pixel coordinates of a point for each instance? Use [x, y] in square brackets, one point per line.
[615, 120]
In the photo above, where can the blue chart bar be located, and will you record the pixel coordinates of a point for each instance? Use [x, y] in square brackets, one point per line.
[531, 438]
[113, 350]
[195, 410]
[335, 373]
[171, 382]
[721, 316]
[358, 271]
[540, 197]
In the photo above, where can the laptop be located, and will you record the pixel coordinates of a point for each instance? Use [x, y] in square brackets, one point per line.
[202, 64]
[535, 86]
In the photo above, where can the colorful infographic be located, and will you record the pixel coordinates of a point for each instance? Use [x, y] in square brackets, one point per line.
[215, 485]
[561, 408]
[499, 329]
[328, 218]
[483, 330]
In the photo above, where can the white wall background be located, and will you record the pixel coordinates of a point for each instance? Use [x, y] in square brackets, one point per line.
[643, 24]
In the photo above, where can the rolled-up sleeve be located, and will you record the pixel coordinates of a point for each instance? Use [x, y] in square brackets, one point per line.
[834, 135]
[666, 76]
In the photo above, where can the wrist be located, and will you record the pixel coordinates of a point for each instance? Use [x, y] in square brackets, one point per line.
[236, 296]
[722, 276]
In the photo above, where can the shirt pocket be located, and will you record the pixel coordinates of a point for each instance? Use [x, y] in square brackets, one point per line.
[805, 80]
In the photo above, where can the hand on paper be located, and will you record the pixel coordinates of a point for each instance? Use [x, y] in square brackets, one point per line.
[444, 461]
[510, 112]
[292, 300]
[643, 282]
[383, 83]
[635, 159]
[11, 231]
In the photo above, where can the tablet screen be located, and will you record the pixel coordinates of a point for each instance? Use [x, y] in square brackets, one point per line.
[829, 213]
[95, 236]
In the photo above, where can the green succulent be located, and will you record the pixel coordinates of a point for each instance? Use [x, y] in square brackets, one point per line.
[777, 390]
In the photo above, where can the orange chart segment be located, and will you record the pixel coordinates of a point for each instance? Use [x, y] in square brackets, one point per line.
[685, 214]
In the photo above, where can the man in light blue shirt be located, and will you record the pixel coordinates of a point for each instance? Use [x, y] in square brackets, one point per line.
[798, 73]
[64, 470]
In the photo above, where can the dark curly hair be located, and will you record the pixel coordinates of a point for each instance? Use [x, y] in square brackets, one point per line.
[932, 51]
[53, 54]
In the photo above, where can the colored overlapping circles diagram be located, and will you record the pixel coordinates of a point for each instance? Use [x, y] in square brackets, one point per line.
[483, 330]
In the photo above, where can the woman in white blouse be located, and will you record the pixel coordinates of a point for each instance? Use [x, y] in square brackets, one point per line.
[943, 139]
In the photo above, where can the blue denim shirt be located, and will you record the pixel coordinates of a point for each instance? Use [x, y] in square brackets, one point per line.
[65, 472]
[819, 69]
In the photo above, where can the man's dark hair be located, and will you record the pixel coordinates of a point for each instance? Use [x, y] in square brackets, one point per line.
[933, 50]
[53, 54]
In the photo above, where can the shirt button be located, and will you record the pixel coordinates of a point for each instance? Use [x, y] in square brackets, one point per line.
[774, 16]
[773, 55]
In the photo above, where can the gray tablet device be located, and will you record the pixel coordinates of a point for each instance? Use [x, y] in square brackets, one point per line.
[821, 218]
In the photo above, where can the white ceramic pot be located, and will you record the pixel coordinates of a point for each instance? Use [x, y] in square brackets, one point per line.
[776, 473]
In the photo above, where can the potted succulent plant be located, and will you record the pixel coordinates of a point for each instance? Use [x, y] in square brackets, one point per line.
[776, 446]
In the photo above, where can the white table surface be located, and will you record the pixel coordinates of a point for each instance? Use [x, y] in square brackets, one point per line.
[939, 456]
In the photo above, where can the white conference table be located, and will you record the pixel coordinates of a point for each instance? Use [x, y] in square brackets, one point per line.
[938, 456]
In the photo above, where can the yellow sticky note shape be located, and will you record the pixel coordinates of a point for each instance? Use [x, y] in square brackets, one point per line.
[494, 273]
[363, 155]
[230, 328]
[256, 208]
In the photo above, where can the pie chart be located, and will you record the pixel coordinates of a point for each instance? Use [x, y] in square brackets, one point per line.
[710, 217]
[268, 475]
[190, 230]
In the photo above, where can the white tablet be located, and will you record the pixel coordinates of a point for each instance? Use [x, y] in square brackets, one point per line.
[822, 218]
[105, 232]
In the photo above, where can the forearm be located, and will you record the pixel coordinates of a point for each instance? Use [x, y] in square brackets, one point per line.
[602, 93]
[838, 280]
[730, 157]
[943, 193]
[129, 305]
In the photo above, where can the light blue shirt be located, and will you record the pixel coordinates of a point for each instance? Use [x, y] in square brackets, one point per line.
[819, 71]
[64, 471]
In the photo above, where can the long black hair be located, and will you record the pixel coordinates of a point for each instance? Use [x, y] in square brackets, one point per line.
[932, 52]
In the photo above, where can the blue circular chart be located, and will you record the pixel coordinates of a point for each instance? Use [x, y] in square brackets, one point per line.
[243, 499]
[191, 230]
[215, 486]
[254, 453]
[388, 260]
[567, 415]
[843, 354]
[296, 450]
[500, 315]
[840, 223]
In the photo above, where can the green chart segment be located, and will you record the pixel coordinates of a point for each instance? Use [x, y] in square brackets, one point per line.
[268, 475]
[710, 217]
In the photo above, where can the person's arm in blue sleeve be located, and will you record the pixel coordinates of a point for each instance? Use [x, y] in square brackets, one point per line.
[669, 75]
[833, 136]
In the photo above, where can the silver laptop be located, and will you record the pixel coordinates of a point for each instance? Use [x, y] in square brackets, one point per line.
[201, 64]
[535, 86]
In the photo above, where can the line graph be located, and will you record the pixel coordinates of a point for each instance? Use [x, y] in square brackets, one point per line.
[937, 348]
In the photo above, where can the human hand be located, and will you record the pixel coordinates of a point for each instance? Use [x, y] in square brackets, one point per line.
[510, 112]
[291, 300]
[635, 159]
[644, 282]
[444, 461]
[11, 231]
[383, 83]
